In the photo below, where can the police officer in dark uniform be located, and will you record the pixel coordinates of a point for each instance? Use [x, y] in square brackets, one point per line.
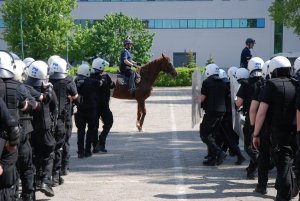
[278, 106]
[227, 134]
[44, 124]
[212, 98]
[87, 110]
[126, 63]
[104, 97]
[9, 139]
[246, 53]
[25, 161]
[244, 98]
[65, 89]
[264, 158]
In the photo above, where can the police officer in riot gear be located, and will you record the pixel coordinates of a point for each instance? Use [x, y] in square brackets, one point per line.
[277, 106]
[87, 110]
[126, 63]
[244, 98]
[246, 53]
[44, 123]
[9, 139]
[65, 91]
[212, 98]
[25, 163]
[227, 133]
[264, 157]
[104, 96]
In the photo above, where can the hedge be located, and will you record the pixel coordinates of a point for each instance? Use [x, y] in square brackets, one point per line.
[183, 78]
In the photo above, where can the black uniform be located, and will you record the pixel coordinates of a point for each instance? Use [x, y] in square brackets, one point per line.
[8, 160]
[246, 92]
[43, 139]
[87, 113]
[215, 90]
[280, 95]
[104, 111]
[25, 161]
[245, 57]
[226, 134]
[63, 88]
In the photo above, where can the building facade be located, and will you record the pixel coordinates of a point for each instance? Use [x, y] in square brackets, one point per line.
[208, 28]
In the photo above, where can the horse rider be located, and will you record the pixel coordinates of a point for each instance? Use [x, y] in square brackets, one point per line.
[126, 63]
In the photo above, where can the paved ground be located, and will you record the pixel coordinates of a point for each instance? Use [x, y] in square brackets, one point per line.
[162, 163]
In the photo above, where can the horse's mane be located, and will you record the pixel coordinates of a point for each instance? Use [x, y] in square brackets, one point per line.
[146, 67]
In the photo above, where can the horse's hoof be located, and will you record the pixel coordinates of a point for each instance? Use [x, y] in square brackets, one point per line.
[140, 129]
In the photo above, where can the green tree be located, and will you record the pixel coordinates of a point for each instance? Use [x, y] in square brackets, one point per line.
[105, 39]
[45, 23]
[210, 60]
[191, 61]
[286, 12]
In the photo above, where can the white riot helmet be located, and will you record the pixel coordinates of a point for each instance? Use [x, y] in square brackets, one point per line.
[242, 73]
[231, 71]
[99, 64]
[15, 56]
[211, 69]
[19, 70]
[255, 64]
[50, 60]
[222, 74]
[297, 65]
[7, 65]
[58, 68]
[28, 61]
[265, 69]
[278, 62]
[37, 73]
[84, 70]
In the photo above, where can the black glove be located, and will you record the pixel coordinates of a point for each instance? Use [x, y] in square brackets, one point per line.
[47, 90]
[14, 136]
[78, 100]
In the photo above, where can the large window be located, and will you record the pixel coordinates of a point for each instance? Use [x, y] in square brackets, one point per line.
[205, 23]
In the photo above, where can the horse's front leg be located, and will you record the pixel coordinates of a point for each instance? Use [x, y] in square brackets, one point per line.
[139, 114]
[143, 113]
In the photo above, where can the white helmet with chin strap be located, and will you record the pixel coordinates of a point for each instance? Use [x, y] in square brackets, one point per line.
[58, 68]
[265, 69]
[278, 62]
[242, 73]
[297, 65]
[255, 65]
[37, 73]
[231, 71]
[28, 61]
[19, 70]
[7, 65]
[50, 60]
[222, 74]
[211, 69]
[84, 70]
[99, 64]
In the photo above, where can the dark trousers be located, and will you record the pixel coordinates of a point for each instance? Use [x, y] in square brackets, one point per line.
[60, 134]
[25, 167]
[210, 123]
[253, 154]
[66, 146]
[83, 119]
[285, 183]
[8, 194]
[44, 144]
[107, 119]
[131, 75]
[226, 135]
[264, 157]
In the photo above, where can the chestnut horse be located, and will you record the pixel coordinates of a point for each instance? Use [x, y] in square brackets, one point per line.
[149, 73]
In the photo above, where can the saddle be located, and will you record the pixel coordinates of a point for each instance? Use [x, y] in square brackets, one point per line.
[123, 80]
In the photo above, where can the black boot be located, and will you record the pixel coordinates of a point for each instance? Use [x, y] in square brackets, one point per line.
[47, 189]
[27, 197]
[240, 159]
[220, 157]
[101, 148]
[57, 179]
[64, 170]
[261, 189]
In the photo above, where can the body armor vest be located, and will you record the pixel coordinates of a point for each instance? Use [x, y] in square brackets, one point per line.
[283, 110]
[215, 101]
[11, 99]
[60, 88]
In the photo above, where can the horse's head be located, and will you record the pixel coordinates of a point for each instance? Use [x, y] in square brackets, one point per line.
[167, 66]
